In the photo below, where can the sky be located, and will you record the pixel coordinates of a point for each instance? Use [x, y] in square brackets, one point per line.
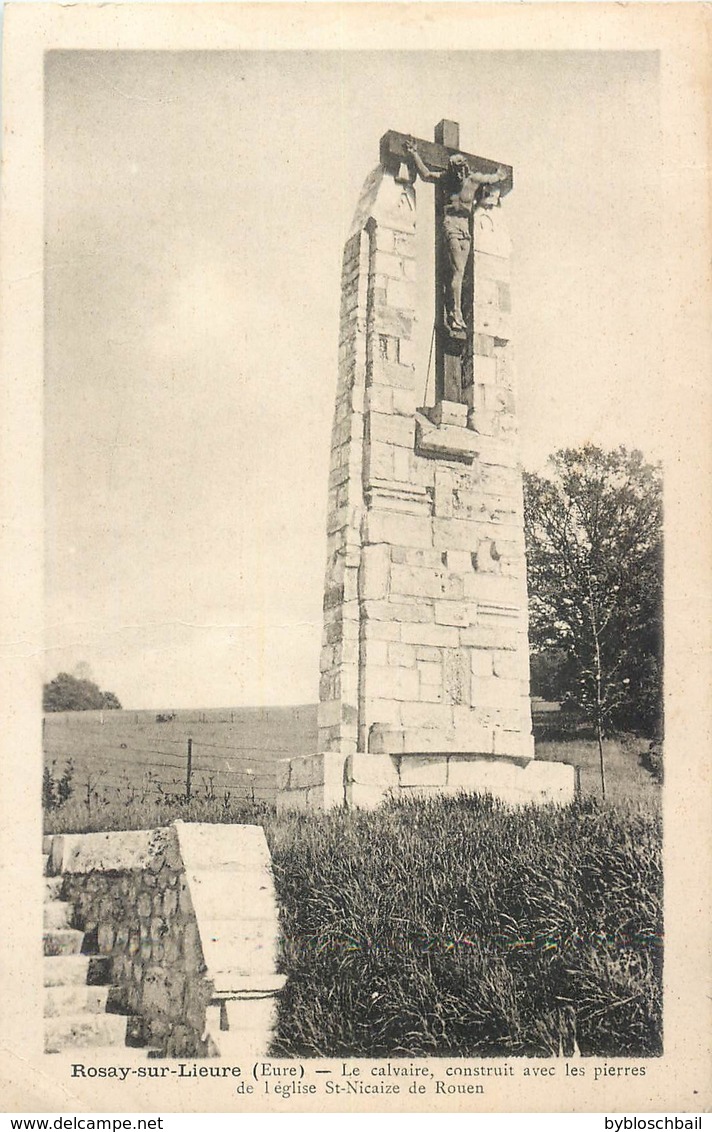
[196, 209]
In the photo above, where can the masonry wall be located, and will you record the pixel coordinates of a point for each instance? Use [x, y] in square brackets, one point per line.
[142, 919]
[425, 612]
[189, 919]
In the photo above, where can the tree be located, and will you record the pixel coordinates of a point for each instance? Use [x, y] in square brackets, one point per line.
[70, 693]
[594, 551]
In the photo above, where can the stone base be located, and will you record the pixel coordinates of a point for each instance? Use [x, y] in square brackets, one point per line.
[365, 781]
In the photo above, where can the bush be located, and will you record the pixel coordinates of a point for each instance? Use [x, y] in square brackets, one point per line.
[651, 759]
[56, 790]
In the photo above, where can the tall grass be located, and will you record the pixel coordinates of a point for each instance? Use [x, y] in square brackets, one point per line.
[460, 927]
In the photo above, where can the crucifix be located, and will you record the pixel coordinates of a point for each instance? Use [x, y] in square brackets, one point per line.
[463, 182]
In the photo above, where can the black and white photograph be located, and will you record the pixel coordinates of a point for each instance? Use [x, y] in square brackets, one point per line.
[358, 635]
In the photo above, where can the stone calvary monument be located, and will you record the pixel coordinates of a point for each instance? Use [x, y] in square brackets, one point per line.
[425, 663]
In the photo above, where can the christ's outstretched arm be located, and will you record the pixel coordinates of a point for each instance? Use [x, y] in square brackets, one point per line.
[423, 171]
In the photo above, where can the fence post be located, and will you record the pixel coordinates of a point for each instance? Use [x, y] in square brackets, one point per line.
[189, 770]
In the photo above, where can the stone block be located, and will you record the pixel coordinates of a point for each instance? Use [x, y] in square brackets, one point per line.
[403, 401]
[425, 715]
[429, 654]
[391, 683]
[431, 693]
[490, 234]
[444, 441]
[430, 673]
[488, 266]
[415, 581]
[423, 771]
[123, 850]
[251, 906]
[390, 429]
[374, 652]
[385, 263]
[383, 238]
[501, 451]
[402, 612]
[370, 770]
[455, 534]
[486, 371]
[491, 319]
[459, 561]
[399, 374]
[376, 630]
[405, 556]
[492, 636]
[401, 655]
[390, 320]
[456, 677]
[443, 492]
[404, 243]
[489, 587]
[481, 662]
[377, 709]
[451, 613]
[407, 358]
[329, 713]
[363, 797]
[379, 399]
[493, 691]
[442, 636]
[511, 665]
[307, 770]
[515, 744]
[380, 459]
[482, 776]
[419, 740]
[374, 571]
[399, 530]
[400, 293]
[449, 413]
[383, 740]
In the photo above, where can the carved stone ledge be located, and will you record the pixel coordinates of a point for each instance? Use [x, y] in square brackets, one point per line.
[444, 441]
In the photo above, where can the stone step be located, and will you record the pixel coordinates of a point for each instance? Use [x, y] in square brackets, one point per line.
[58, 914]
[69, 970]
[47, 843]
[75, 998]
[62, 941]
[53, 887]
[72, 1030]
[45, 864]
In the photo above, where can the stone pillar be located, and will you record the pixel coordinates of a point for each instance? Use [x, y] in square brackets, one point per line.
[425, 661]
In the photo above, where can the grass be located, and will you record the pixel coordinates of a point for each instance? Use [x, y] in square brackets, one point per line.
[458, 927]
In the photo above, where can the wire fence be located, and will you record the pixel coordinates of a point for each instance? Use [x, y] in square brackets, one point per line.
[137, 758]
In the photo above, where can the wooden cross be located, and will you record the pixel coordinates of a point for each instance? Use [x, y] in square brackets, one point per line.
[452, 346]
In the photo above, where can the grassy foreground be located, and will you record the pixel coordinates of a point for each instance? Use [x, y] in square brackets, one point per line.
[459, 927]
[455, 926]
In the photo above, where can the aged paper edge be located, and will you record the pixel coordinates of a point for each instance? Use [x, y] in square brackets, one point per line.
[680, 1079]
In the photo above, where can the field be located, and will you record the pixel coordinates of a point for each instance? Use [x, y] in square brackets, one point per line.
[131, 756]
